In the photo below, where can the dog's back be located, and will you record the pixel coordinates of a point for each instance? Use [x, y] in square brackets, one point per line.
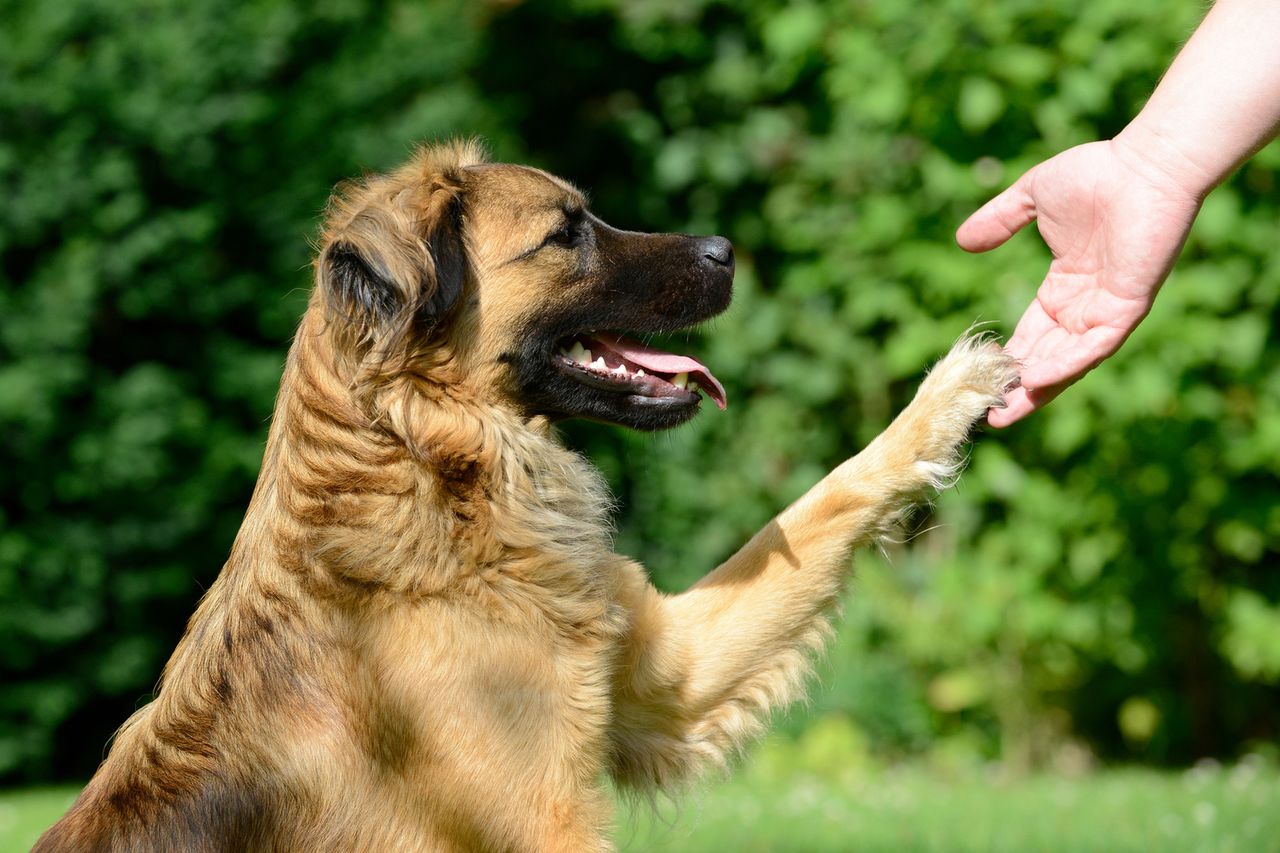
[147, 796]
[105, 820]
[120, 812]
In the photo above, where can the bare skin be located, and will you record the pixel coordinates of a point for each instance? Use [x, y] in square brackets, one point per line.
[1116, 213]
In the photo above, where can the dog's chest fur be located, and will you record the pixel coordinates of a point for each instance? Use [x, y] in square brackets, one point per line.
[501, 679]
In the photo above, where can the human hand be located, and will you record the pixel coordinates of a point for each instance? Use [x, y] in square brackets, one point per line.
[1115, 221]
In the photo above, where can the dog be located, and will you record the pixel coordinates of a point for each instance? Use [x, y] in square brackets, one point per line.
[423, 639]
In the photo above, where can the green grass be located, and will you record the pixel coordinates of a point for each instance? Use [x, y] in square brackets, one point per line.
[26, 813]
[1140, 810]
[772, 806]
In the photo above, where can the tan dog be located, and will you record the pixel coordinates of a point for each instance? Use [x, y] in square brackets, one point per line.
[423, 639]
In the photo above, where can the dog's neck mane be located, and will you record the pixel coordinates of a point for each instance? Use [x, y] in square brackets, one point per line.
[425, 495]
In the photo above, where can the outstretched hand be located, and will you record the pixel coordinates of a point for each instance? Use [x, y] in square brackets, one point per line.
[1115, 223]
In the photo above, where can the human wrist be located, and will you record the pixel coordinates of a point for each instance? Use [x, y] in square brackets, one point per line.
[1170, 160]
[1217, 104]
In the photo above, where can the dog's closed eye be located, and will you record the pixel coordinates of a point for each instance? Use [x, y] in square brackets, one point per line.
[566, 236]
[569, 234]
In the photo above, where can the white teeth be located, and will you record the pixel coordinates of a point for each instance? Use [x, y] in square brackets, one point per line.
[693, 386]
[639, 372]
[621, 368]
[599, 364]
[579, 353]
[680, 380]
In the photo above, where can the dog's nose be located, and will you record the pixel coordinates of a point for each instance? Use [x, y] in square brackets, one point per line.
[718, 250]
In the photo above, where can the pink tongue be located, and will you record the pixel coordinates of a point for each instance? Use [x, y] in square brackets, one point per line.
[657, 361]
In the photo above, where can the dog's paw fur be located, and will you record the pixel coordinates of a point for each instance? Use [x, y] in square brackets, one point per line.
[972, 378]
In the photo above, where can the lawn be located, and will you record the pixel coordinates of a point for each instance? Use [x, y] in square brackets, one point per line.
[25, 813]
[771, 807]
[1207, 808]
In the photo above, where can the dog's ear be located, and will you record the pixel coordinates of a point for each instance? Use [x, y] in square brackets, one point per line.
[360, 287]
[396, 267]
[442, 216]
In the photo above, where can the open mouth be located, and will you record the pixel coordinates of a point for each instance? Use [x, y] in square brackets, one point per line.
[612, 362]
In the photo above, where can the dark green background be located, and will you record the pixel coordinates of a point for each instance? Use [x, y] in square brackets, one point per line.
[1105, 579]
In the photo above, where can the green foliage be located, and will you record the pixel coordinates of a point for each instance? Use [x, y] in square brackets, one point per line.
[164, 163]
[1118, 550]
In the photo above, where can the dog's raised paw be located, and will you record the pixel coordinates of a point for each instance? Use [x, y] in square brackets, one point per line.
[972, 378]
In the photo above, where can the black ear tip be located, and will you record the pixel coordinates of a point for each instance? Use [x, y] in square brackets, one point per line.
[358, 285]
[340, 259]
[340, 253]
[343, 257]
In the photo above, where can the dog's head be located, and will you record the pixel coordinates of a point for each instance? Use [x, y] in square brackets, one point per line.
[497, 281]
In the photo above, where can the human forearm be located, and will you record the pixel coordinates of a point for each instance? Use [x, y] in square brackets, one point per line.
[1218, 103]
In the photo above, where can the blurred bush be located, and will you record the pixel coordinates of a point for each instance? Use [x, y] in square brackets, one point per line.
[163, 163]
[1105, 574]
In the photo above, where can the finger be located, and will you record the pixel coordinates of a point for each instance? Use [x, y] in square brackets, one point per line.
[1021, 402]
[999, 219]
[1032, 327]
[1016, 406]
[1074, 360]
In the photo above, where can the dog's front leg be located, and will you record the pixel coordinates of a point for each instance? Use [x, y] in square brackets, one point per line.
[704, 668]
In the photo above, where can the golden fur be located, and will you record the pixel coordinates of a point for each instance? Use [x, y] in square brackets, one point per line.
[422, 639]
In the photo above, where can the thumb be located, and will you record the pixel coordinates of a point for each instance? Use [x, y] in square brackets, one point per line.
[1000, 218]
